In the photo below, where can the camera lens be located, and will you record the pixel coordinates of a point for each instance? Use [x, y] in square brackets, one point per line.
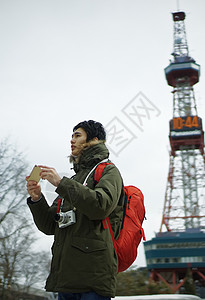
[57, 217]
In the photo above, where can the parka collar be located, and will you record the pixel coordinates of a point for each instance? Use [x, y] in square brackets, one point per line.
[91, 156]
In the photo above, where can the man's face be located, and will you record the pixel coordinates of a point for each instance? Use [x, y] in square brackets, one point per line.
[78, 141]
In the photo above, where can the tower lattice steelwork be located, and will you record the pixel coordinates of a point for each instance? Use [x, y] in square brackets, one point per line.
[184, 205]
[180, 244]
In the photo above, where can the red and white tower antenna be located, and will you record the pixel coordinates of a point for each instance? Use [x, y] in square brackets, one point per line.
[179, 247]
[184, 205]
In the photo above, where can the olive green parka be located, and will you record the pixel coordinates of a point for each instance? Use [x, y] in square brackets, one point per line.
[83, 256]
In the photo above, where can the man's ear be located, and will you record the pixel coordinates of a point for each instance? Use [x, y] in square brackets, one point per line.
[93, 142]
[95, 139]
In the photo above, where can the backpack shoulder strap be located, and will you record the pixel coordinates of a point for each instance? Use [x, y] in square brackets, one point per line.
[106, 224]
[98, 173]
[99, 170]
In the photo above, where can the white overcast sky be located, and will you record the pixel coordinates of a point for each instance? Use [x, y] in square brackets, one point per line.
[62, 62]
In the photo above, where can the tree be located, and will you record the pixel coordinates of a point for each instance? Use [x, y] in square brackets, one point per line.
[20, 266]
[13, 170]
[189, 285]
[136, 282]
[132, 282]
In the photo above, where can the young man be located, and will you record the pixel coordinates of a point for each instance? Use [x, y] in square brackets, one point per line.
[84, 263]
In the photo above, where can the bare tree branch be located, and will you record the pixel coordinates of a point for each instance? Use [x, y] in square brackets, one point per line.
[20, 266]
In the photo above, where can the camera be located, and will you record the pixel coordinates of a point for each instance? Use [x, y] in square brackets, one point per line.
[65, 219]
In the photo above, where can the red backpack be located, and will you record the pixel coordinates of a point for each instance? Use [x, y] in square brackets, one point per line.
[131, 232]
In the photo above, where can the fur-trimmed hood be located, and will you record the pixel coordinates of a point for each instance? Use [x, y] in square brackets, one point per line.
[75, 159]
[93, 153]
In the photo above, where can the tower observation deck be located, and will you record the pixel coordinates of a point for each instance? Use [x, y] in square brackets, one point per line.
[180, 243]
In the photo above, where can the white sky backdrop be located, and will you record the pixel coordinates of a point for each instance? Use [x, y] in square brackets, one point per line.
[65, 61]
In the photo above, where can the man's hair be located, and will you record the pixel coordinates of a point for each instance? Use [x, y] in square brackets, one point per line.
[93, 129]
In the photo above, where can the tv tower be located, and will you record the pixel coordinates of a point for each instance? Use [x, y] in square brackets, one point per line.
[180, 244]
[184, 205]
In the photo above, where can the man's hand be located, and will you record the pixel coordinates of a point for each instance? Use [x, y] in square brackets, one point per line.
[50, 174]
[34, 189]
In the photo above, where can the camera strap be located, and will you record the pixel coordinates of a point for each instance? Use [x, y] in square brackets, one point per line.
[85, 181]
[59, 205]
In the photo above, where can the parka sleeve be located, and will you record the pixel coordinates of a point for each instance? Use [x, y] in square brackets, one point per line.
[95, 203]
[43, 215]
